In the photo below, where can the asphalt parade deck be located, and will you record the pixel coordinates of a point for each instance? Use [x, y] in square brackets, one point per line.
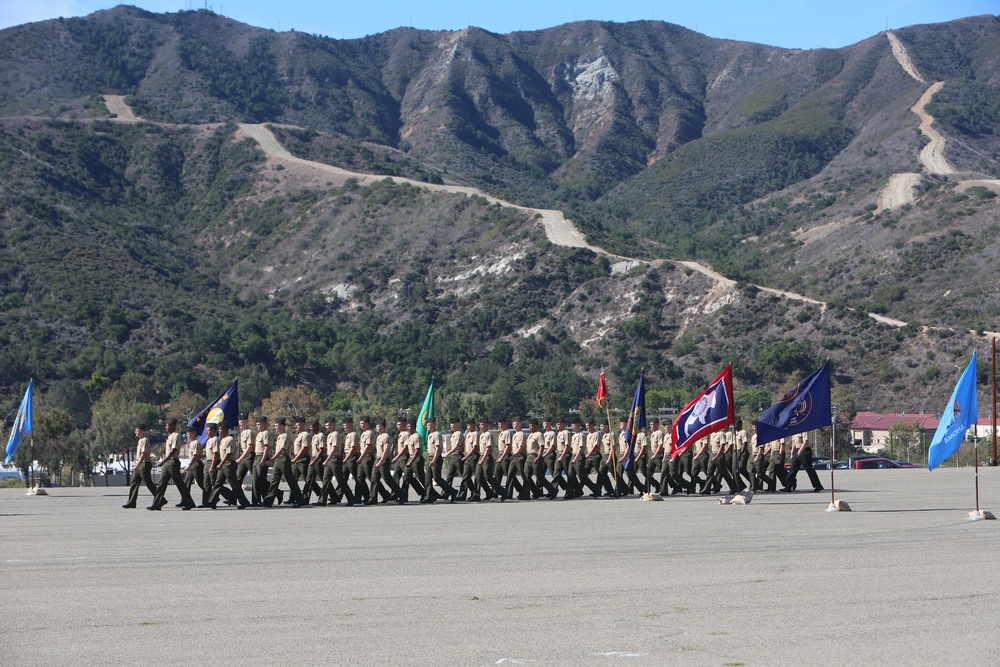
[904, 579]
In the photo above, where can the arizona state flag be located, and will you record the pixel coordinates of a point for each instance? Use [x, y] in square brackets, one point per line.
[602, 391]
[804, 407]
[711, 411]
[225, 407]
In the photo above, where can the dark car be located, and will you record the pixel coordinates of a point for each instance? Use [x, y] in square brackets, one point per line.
[875, 464]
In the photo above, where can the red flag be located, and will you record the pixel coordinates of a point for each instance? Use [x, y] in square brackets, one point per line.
[602, 391]
[713, 410]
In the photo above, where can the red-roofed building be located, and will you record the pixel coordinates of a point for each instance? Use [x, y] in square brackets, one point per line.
[870, 430]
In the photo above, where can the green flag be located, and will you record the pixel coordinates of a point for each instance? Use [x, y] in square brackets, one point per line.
[426, 412]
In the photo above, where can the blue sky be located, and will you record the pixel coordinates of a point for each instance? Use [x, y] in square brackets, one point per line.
[787, 23]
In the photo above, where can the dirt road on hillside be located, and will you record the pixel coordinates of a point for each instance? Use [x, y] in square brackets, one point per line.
[900, 189]
[116, 105]
[903, 58]
[558, 228]
[932, 155]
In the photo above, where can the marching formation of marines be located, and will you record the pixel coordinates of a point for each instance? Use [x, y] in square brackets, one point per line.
[339, 463]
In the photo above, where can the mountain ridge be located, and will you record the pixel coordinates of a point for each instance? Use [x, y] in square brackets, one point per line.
[658, 142]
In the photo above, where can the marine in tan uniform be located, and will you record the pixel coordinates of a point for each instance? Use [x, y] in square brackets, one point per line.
[484, 464]
[247, 457]
[212, 460]
[281, 465]
[549, 454]
[317, 454]
[500, 467]
[352, 453]
[414, 470]
[681, 465]
[170, 466]
[470, 457]
[453, 453]
[263, 446]
[334, 483]
[366, 459]
[742, 455]
[301, 451]
[142, 469]
[658, 463]
[226, 472]
[592, 460]
[400, 457]
[638, 471]
[534, 460]
[579, 461]
[564, 461]
[699, 467]
[382, 468]
[610, 467]
[432, 467]
[512, 451]
[776, 465]
[195, 470]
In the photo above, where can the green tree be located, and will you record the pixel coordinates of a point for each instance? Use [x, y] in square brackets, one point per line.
[114, 418]
[50, 434]
[70, 396]
[904, 437]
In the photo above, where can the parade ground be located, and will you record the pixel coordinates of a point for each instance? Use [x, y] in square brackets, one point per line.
[904, 579]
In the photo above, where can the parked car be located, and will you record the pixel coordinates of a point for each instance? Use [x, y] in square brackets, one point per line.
[854, 459]
[825, 465]
[907, 464]
[877, 463]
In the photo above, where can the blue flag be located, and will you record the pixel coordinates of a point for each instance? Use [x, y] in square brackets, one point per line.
[803, 408]
[712, 410]
[225, 407]
[636, 418]
[961, 412]
[22, 424]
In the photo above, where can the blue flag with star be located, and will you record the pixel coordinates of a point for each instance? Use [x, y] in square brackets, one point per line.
[961, 412]
[225, 407]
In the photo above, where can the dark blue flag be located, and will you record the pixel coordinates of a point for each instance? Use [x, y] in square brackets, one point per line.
[225, 407]
[803, 408]
[636, 418]
[711, 411]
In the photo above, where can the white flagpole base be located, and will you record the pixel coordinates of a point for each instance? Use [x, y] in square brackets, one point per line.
[652, 496]
[36, 491]
[981, 515]
[838, 506]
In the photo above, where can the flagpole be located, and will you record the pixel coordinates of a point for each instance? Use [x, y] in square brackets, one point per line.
[975, 456]
[993, 408]
[833, 457]
[614, 455]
